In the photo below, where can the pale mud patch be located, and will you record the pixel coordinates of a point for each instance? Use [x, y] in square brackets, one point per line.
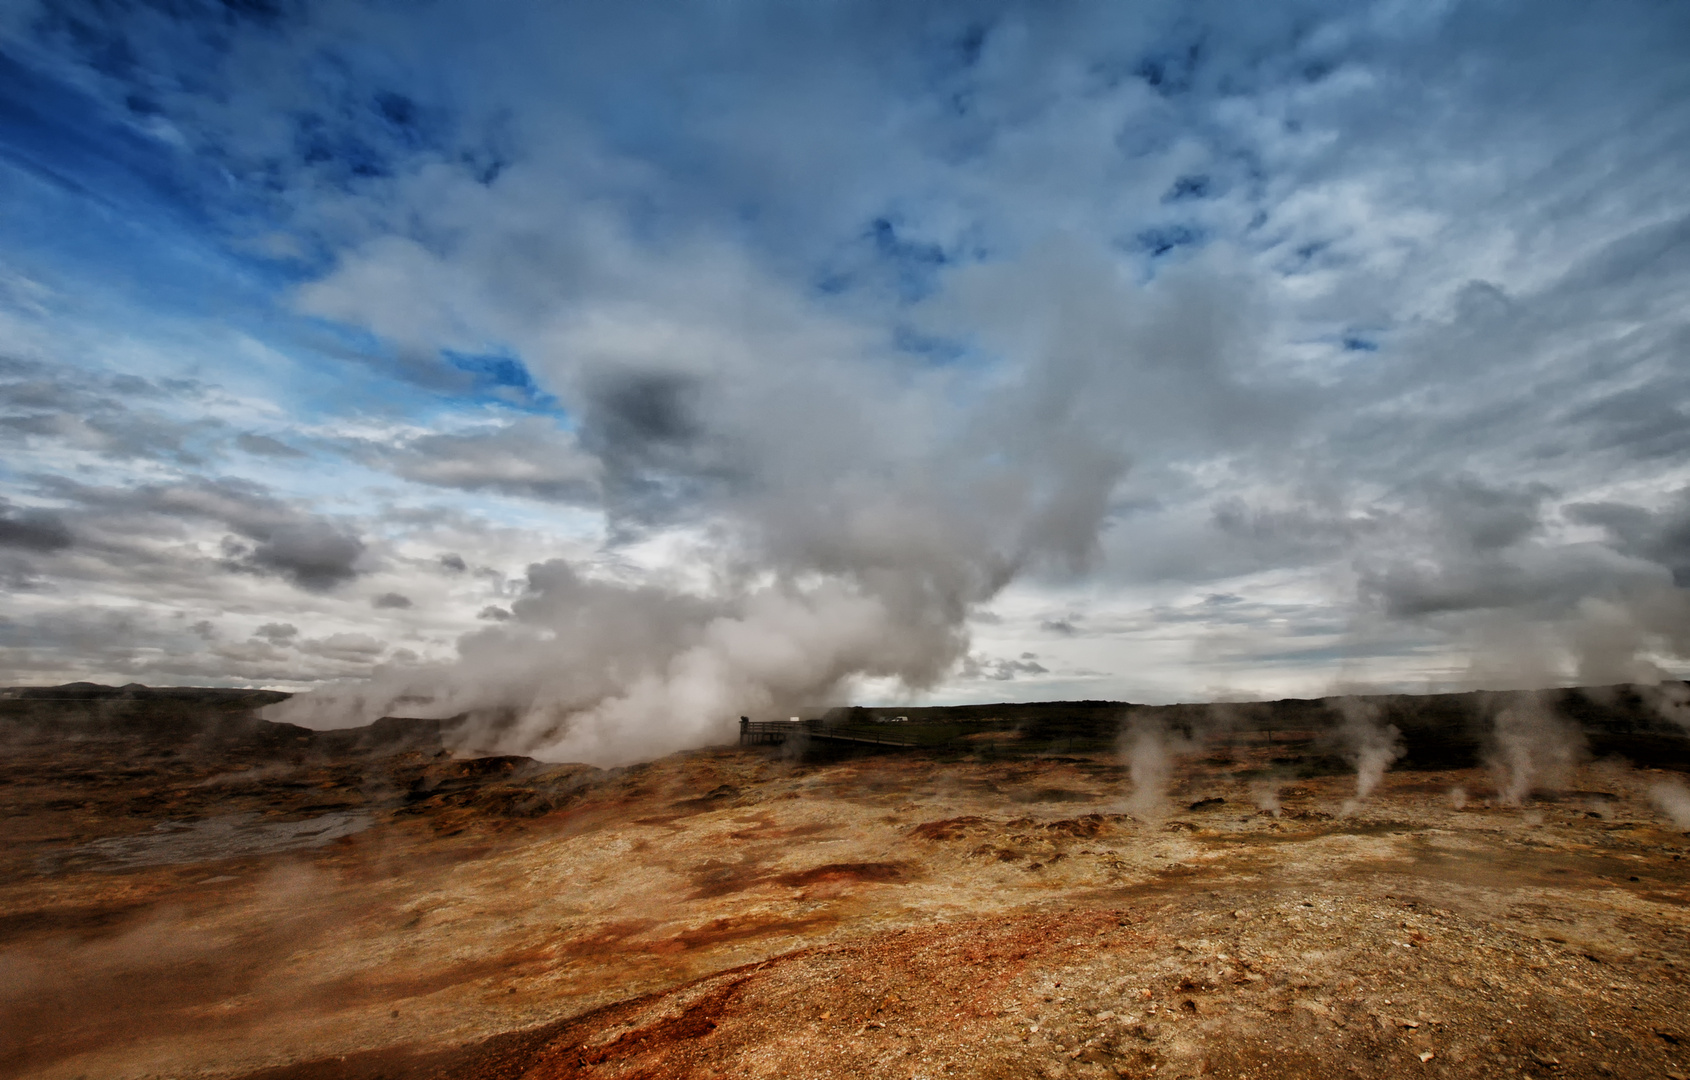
[229, 836]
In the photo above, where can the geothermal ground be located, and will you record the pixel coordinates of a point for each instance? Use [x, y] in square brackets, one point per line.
[191, 892]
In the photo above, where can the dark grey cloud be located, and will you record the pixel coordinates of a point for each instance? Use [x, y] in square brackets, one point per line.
[1483, 518]
[1582, 374]
[1293, 531]
[391, 600]
[1660, 536]
[1468, 547]
[72, 640]
[1459, 544]
[312, 554]
[1483, 565]
[651, 432]
[453, 563]
[1002, 669]
[642, 413]
[349, 647]
[138, 645]
[1406, 590]
[33, 530]
[529, 458]
[267, 535]
[265, 446]
[114, 416]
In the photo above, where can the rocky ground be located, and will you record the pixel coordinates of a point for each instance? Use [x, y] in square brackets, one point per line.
[278, 905]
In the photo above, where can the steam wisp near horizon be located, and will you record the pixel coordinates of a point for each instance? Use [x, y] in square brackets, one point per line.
[1368, 744]
[1150, 756]
[1532, 748]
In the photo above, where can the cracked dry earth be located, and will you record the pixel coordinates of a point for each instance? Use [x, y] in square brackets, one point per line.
[729, 913]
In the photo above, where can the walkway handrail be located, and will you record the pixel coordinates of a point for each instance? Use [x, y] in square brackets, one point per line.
[755, 731]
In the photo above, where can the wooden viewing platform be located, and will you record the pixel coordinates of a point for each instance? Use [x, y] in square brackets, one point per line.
[776, 732]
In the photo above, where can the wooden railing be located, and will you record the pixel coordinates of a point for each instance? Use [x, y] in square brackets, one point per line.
[766, 732]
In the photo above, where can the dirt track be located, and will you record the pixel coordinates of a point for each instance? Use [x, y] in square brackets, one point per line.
[732, 913]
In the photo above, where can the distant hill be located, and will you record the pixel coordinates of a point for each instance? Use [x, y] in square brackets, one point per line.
[180, 714]
[1439, 731]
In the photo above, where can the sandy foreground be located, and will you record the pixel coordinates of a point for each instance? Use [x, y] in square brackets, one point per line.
[736, 913]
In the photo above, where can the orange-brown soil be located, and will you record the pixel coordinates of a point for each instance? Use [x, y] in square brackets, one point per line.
[733, 913]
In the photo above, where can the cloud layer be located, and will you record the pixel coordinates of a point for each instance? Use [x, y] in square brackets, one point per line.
[609, 373]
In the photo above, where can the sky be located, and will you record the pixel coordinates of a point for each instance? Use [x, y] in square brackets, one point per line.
[609, 370]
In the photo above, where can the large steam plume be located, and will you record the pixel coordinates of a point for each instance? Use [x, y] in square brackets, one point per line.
[841, 520]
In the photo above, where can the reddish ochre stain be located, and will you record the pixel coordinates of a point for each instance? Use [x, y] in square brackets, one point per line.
[949, 829]
[846, 872]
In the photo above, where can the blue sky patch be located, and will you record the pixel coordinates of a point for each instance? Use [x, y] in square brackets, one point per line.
[502, 378]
